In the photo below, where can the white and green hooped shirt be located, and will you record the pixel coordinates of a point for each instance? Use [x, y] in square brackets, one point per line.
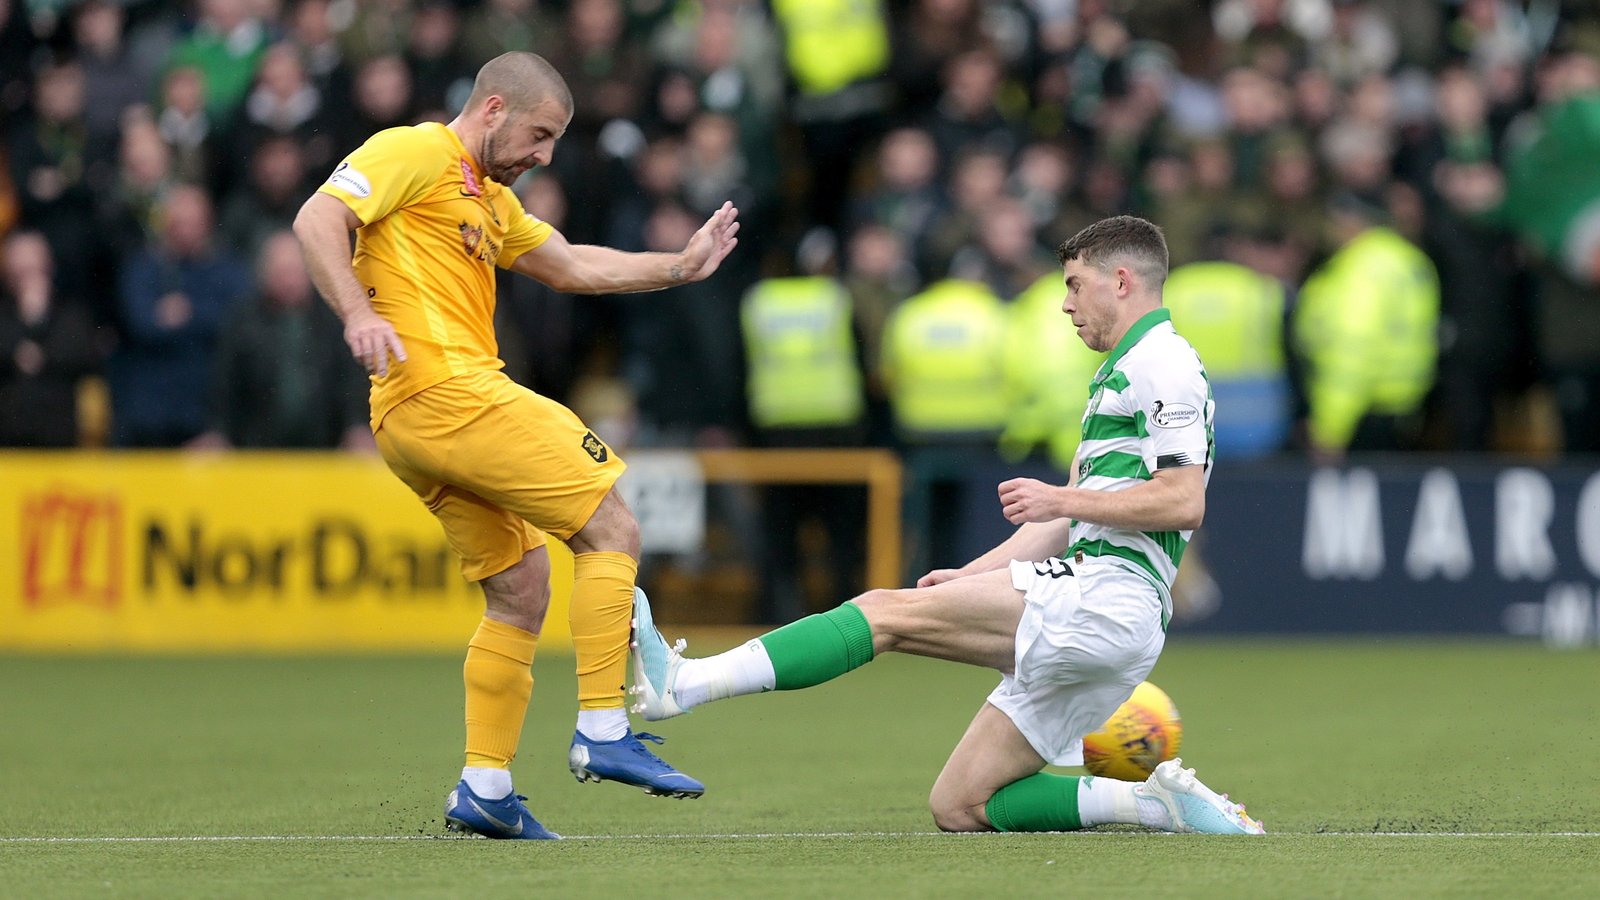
[1150, 408]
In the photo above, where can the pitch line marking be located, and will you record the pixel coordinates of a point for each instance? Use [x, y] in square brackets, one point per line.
[382, 838]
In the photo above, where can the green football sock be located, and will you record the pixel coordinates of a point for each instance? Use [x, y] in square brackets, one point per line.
[819, 648]
[1042, 802]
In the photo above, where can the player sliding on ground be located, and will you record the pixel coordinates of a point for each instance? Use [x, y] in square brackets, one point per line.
[1072, 608]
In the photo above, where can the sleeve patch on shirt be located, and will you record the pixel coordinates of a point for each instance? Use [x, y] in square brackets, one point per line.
[1173, 460]
[1172, 415]
[351, 181]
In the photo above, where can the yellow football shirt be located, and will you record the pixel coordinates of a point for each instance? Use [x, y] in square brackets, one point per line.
[434, 228]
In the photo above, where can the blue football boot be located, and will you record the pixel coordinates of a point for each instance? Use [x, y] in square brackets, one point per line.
[627, 760]
[503, 819]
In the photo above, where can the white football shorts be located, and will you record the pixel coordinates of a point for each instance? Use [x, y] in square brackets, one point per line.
[1090, 633]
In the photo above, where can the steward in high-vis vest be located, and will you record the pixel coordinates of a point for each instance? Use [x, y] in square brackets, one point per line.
[943, 353]
[806, 390]
[1366, 327]
[1047, 371]
[832, 44]
[1233, 316]
[837, 56]
[801, 352]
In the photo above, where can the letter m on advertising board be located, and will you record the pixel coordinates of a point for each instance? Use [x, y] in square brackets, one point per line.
[71, 548]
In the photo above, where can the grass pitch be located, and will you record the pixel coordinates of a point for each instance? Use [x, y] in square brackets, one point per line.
[1381, 769]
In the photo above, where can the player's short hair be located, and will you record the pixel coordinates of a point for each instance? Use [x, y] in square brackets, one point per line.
[523, 80]
[1120, 241]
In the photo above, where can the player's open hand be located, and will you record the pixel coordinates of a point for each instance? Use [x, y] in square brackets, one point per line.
[1028, 500]
[372, 340]
[711, 244]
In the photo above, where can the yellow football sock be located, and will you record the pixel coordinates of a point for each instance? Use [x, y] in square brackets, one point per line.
[601, 616]
[499, 683]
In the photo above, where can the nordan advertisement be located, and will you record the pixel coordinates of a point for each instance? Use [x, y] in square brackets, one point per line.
[242, 551]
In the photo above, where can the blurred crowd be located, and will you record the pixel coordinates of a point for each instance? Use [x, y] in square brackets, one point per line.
[1384, 216]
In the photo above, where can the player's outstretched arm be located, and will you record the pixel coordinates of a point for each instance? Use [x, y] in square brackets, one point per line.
[587, 269]
[1174, 499]
[323, 226]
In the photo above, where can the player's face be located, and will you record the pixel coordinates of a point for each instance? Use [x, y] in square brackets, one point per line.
[1091, 302]
[520, 141]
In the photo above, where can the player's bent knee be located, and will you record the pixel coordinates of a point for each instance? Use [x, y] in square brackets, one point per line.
[956, 816]
[879, 606]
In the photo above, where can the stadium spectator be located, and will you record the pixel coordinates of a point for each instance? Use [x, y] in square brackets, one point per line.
[967, 114]
[47, 346]
[224, 48]
[382, 99]
[198, 145]
[1006, 257]
[683, 354]
[977, 182]
[281, 375]
[269, 200]
[17, 43]
[175, 296]
[500, 26]
[377, 29]
[549, 339]
[144, 175]
[905, 196]
[114, 79]
[286, 103]
[879, 275]
[53, 163]
[311, 31]
[441, 76]
[1360, 42]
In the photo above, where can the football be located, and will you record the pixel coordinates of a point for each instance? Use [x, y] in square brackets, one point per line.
[1144, 732]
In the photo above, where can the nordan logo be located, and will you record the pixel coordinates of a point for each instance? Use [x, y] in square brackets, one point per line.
[71, 548]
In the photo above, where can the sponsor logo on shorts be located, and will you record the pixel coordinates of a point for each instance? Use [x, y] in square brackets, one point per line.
[595, 447]
[350, 180]
[1172, 415]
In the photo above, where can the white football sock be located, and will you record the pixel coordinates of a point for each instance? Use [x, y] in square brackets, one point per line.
[1107, 801]
[603, 724]
[490, 784]
[746, 669]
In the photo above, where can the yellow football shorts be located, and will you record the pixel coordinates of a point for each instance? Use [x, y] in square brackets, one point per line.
[500, 466]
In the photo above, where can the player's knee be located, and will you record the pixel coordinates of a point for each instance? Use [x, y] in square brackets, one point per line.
[612, 528]
[880, 606]
[954, 813]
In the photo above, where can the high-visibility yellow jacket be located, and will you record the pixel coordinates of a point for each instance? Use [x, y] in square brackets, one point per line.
[1367, 325]
[942, 360]
[1047, 368]
[801, 354]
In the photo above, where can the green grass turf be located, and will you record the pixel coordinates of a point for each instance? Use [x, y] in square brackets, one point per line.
[811, 794]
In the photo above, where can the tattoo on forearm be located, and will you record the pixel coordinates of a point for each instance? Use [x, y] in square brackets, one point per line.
[676, 272]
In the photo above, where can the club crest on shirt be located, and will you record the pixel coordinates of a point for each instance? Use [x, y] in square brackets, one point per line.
[470, 180]
[471, 237]
[594, 447]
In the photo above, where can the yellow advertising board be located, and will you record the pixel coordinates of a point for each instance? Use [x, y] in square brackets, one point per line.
[158, 551]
